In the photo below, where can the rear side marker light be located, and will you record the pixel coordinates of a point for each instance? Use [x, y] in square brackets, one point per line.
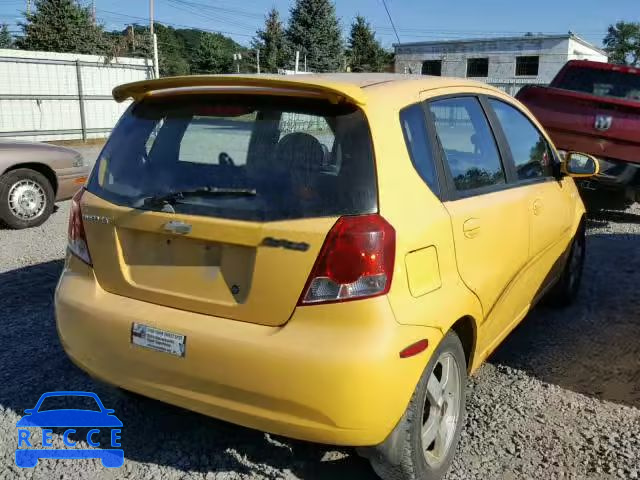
[77, 239]
[415, 348]
[356, 261]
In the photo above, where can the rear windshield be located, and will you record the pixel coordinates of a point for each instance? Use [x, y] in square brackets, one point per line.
[603, 83]
[240, 157]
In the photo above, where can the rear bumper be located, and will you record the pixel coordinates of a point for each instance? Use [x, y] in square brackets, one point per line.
[332, 374]
[70, 182]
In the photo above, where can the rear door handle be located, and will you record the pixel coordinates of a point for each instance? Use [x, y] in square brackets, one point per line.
[537, 206]
[471, 227]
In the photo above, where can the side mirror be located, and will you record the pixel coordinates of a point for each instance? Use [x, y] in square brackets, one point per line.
[580, 165]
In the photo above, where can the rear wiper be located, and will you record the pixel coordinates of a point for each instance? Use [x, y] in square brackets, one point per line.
[172, 197]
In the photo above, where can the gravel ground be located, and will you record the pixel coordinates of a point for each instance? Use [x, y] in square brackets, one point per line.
[559, 399]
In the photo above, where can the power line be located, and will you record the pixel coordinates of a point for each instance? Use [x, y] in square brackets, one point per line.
[173, 24]
[233, 11]
[216, 17]
[384, 2]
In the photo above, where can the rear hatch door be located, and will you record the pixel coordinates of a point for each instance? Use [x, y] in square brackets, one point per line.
[219, 204]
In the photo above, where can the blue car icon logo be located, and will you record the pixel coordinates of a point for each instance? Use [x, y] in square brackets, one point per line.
[38, 417]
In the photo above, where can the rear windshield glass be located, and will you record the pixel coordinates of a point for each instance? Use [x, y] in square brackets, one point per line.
[603, 83]
[240, 157]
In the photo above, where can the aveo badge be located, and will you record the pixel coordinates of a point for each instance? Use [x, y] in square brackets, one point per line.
[98, 421]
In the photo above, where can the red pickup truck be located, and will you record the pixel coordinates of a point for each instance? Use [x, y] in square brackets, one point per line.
[594, 108]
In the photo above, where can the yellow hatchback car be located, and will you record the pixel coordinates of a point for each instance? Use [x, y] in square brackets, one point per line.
[321, 257]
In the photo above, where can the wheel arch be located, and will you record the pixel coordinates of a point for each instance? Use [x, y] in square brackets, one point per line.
[467, 331]
[41, 168]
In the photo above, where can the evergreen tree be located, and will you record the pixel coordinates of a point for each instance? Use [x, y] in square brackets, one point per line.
[214, 54]
[272, 43]
[62, 26]
[5, 37]
[365, 52]
[314, 30]
[623, 43]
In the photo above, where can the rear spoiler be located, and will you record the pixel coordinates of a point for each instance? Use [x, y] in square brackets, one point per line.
[334, 91]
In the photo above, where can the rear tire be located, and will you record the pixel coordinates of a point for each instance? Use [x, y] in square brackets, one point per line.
[435, 415]
[566, 289]
[26, 198]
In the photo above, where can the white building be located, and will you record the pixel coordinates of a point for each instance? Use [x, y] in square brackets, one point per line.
[506, 62]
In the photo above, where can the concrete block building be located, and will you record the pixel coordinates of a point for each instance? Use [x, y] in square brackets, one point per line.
[506, 62]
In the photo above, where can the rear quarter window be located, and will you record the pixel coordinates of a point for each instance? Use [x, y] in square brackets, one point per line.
[414, 129]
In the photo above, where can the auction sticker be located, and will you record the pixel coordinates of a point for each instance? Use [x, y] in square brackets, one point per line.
[158, 340]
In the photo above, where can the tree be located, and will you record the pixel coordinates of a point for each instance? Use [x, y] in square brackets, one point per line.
[5, 37]
[623, 43]
[173, 58]
[314, 30]
[62, 26]
[181, 51]
[365, 52]
[272, 43]
[214, 54]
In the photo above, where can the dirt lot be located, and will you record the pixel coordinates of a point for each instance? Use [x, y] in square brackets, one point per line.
[559, 399]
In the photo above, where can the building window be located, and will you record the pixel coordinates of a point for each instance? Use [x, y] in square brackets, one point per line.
[527, 66]
[432, 67]
[477, 67]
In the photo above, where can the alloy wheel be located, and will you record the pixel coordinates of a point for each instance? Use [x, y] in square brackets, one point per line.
[441, 409]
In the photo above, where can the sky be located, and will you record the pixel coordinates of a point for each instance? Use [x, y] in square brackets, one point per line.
[415, 20]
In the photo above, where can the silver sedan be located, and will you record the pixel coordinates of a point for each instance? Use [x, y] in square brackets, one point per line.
[32, 177]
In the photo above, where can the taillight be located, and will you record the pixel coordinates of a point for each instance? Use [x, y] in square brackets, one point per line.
[77, 240]
[356, 261]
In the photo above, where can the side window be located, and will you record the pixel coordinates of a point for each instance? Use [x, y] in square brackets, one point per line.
[414, 128]
[531, 153]
[468, 143]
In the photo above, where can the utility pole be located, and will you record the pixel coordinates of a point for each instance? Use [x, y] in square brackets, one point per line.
[305, 63]
[93, 11]
[297, 61]
[258, 60]
[154, 42]
[28, 7]
[151, 18]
